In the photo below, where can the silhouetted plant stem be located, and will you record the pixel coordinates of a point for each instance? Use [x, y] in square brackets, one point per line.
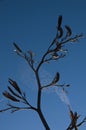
[39, 90]
[45, 124]
[43, 119]
[54, 52]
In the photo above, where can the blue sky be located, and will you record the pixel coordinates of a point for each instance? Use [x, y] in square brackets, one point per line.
[32, 25]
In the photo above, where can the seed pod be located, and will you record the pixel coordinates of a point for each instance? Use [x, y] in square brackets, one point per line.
[60, 30]
[56, 78]
[59, 21]
[17, 47]
[69, 32]
[14, 84]
[15, 94]
[9, 96]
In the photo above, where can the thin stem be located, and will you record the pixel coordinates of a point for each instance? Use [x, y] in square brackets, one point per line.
[73, 39]
[39, 102]
[42, 60]
[43, 120]
[6, 109]
[26, 58]
[39, 90]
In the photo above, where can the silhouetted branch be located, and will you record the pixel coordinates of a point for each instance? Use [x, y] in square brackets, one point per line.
[83, 121]
[6, 109]
[74, 119]
[54, 52]
[15, 108]
[72, 39]
[57, 52]
[16, 95]
[56, 85]
[28, 57]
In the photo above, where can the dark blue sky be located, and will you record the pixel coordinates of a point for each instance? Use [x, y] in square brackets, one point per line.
[32, 25]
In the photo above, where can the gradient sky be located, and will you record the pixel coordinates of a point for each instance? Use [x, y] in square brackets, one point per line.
[32, 25]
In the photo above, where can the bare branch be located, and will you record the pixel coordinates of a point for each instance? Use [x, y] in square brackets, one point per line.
[6, 109]
[83, 121]
[72, 39]
[15, 108]
[54, 52]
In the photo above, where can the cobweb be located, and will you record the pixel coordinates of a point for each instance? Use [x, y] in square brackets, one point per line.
[62, 94]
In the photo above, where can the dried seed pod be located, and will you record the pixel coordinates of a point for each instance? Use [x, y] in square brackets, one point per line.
[17, 47]
[68, 85]
[9, 96]
[15, 94]
[14, 84]
[59, 21]
[60, 30]
[56, 78]
[69, 31]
